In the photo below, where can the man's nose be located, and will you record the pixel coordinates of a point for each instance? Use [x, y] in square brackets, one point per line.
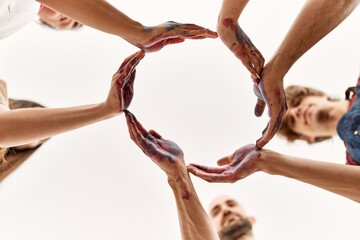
[227, 212]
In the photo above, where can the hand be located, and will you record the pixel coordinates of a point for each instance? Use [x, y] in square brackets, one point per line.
[242, 163]
[165, 153]
[240, 44]
[172, 33]
[122, 85]
[270, 92]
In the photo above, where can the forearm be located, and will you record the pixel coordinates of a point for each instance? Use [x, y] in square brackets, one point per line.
[228, 20]
[194, 222]
[99, 14]
[340, 179]
[22, 126]
[316, 19]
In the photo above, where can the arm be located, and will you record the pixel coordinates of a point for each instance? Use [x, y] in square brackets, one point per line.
[236, 39]
[337, 178]
[103, 16]
[4, 100]
[316, 19]
[194, 222]
[340, 179]
[22, 126]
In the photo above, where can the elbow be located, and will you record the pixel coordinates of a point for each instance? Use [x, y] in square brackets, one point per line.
[225, 28]
[221, 31]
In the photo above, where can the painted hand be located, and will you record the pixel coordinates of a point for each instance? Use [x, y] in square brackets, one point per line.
[172, 33]
[270, 92]
[165, 153]
[242, 163]
[240, 44]
[122, 89]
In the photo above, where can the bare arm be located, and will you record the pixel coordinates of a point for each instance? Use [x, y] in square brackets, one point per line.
[22, 126]
[337, 178]
[236, 39]
[316, 19]
[194, 222]
[340, 179]
[103, 16]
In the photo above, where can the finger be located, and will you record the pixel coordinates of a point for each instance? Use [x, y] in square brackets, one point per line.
[130, 124]
[210, 177]
[159, 45]
[125, 90]
[261, 59]
[131, 62]
[192, 34]
[136, 124]
[225, 161]
[259, 107]
[138, 55]
[255, 61]
[273, 126]
[208, 32]
[170, 41]
[132, 79]
[258, 60]
[140, 136]
[208, 169]
[246, 62]
[155, 134]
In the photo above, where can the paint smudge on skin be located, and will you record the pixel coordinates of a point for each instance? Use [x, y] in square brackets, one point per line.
[185, 194]
[228, 22]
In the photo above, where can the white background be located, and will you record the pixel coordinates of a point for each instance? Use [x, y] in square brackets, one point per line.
[94, 183]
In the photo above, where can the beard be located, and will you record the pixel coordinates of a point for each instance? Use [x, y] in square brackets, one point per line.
[323, 115]
[235, 230]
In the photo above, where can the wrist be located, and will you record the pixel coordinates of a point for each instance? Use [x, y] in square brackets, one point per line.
[136, 35]
[225, 27]
[107, 111]
[267, 161]
[180, 184]
[280, 64]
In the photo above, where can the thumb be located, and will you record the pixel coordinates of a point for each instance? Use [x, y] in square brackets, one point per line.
[260, 104]
[224, 161]
[259, 107]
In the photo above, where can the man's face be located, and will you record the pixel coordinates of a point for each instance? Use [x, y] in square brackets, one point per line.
[57, 20]
[230, 219]
[311, 117]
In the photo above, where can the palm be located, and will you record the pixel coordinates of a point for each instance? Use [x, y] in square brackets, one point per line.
[242, 47]
[240, 164]
[171, 33]
[124, 79]
[165, 153]
[271, 92]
